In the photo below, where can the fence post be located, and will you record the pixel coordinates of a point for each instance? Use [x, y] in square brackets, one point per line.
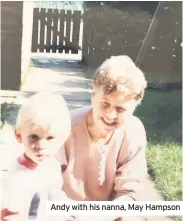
[27, 34]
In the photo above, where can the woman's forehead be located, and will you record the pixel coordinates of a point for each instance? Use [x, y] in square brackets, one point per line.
[116, 97]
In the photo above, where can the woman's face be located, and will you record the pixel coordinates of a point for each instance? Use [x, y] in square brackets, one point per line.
[110, 110]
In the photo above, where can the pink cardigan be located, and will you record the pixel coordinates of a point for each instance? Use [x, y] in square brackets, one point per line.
[118, 175]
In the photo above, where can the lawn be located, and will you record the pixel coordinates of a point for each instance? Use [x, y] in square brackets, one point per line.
[164, 162]
[161, 113]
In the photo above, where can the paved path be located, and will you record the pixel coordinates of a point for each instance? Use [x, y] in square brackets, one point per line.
[62, 76]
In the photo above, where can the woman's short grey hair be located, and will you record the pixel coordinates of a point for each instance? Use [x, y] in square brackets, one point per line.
[119, 73]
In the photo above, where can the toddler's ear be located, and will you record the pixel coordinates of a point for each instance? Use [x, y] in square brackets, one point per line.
[18, 135]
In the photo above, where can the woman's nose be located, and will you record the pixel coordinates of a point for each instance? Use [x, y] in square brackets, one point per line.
[111, 114]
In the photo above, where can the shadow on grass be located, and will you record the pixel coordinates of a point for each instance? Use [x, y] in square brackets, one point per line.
[161, 113]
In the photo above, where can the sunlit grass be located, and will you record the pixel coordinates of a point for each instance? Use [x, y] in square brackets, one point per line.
[161, 113]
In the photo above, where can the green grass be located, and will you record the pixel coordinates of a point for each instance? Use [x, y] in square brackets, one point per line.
[5, 108]
[165, 167]
[164, 163]
[161, 113]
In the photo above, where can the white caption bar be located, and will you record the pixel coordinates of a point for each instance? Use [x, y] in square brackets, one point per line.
[115, 208]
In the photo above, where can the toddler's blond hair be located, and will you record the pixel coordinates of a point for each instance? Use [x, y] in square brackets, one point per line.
[45, 108]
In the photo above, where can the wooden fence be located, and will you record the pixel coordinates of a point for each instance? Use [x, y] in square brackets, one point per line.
[108, 31]
[56, 30]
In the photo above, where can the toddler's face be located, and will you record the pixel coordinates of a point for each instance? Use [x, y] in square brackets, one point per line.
[40, 141]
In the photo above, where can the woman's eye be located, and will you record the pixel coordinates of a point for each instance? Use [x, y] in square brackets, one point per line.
[105, 104]
[34, 137]
[50, 138]
[120, 109]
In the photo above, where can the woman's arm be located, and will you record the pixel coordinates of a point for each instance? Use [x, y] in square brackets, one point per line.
[131, 171]
[130, 176]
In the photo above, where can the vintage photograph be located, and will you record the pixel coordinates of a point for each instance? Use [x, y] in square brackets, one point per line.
[91, 105]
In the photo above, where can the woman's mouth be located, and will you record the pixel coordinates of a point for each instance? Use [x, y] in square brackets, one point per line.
[109, 124]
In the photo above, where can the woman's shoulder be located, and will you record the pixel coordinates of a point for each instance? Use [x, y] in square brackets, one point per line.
[79, 114]
[133, 123]
[135, 129]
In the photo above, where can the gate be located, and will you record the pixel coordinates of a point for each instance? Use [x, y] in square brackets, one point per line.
[56, 31]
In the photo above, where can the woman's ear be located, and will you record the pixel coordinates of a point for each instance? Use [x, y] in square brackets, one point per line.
[18, 135]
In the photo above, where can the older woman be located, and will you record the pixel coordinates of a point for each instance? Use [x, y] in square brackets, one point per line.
[104, 157]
